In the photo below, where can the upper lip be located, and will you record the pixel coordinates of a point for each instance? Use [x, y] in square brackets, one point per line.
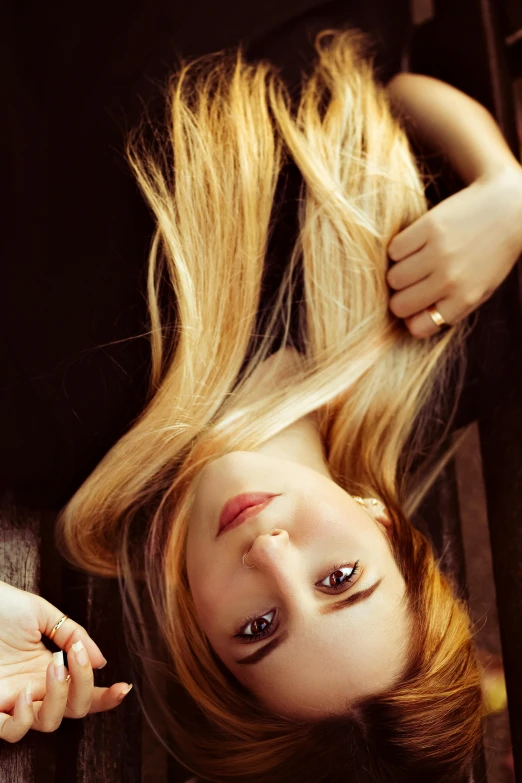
[241, 507]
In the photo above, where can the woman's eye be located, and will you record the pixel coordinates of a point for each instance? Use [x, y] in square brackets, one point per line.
[340, 576]
[257, 627]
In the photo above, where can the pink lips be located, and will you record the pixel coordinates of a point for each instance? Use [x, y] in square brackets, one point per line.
[241, 507]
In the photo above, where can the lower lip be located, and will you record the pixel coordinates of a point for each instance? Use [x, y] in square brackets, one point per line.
[241, 507]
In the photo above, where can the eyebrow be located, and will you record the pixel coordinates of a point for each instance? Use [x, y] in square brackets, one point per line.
[351, 600]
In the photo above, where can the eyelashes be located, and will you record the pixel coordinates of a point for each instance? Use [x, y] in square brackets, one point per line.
[261, 634]
[335, 569]
[267, 618]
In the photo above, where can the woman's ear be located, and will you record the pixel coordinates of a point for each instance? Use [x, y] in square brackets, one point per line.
[378, 511]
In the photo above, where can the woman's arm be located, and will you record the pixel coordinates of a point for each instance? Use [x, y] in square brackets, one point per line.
[455, 125]
[461, 250]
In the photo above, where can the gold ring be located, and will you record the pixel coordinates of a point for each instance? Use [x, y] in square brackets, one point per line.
[60, 621]
[436, 317]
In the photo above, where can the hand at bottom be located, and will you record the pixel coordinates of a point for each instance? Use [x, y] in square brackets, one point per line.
[36, 689]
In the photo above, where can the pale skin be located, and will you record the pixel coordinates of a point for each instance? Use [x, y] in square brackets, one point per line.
[327, 660]
[458, 253]
[35, 689]
[454, 256]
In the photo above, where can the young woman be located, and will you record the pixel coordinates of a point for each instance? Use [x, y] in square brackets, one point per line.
[312, 637]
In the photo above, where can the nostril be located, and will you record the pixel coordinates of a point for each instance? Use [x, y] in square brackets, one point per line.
[275, 532]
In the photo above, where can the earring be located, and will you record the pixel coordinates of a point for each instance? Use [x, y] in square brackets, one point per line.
[361, 502]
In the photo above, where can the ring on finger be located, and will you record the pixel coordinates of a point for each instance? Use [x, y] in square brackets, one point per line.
[436, 317]
[62, 619]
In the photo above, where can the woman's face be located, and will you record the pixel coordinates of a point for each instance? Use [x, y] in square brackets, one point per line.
[325, 592]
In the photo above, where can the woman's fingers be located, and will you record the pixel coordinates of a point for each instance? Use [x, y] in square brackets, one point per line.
[74, 696]
[417, 297]
[14, 727]
[409, 271]
[411, 239]
[69, 696]
[68, 633]
[49, 713]
[83, 696]
[79, 634]
[82, 681]
[107, 698]
[103, 699]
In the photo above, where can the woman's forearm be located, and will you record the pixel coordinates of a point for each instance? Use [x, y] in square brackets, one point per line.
[453, 124]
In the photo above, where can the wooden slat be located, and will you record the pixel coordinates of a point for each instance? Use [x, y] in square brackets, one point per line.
[501, 441]
[20, 567]
[114, 742]
[104, 746]
[154, 763]
[422, 11]
[463, 45]
[481, 586]
[438, 517]
[178, 774]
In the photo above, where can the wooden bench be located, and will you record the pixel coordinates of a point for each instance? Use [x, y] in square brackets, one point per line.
[463, 44]
[471, 45]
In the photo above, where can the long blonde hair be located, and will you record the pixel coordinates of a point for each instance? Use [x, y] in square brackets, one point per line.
[209, 173]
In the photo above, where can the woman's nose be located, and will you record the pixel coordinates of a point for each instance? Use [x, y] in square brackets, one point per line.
[267, 549]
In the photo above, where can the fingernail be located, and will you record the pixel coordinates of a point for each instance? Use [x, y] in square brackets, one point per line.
[103, 664]
[124, 693]
[59, 668]
[80, 652]
[29, 692]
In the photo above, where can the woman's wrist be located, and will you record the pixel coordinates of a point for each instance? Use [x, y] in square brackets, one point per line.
[509, 178]
[506, 181]
[511, 173]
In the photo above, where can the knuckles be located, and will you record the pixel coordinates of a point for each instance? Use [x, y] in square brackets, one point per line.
[471, 300]
[450, 283]
[397, 307]
[436, 231]
[391, 278]
[49, 725]
[417, 330]
[81, 713]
